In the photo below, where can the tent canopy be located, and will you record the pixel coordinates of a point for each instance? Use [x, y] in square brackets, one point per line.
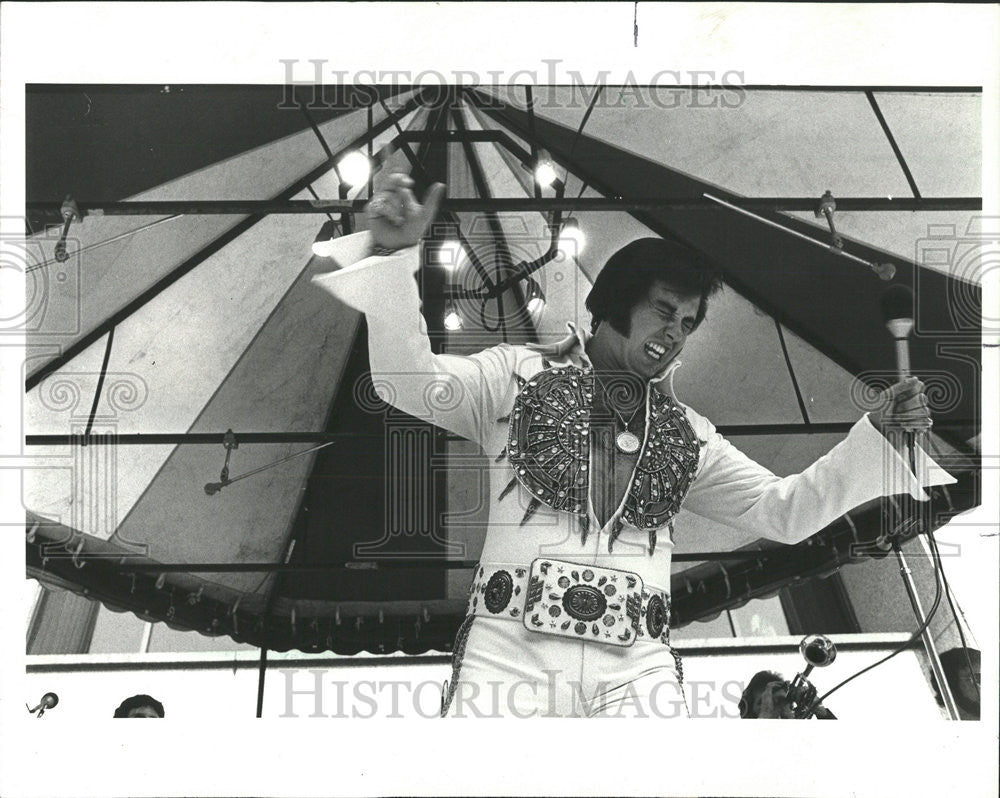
[182, 322]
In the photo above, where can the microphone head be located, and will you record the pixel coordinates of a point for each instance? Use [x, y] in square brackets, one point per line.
[896, 303]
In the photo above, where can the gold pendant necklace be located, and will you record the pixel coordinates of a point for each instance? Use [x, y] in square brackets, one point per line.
[626, 442]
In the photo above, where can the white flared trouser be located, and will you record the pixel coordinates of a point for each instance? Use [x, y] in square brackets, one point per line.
[501, 669]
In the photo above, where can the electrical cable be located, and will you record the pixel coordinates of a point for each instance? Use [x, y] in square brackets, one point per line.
[954, 613]
[899, 650]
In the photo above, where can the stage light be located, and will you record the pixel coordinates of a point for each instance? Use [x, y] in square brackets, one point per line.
[571, 239]
[545, 169]
[534, 297]
[323, 245]
[354, 168]
[452, 321]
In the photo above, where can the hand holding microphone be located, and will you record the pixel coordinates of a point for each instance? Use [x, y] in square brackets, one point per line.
[905, 408]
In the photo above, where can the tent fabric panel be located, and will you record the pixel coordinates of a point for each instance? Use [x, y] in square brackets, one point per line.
[175, 521]
[104, 278]
[826, 387]
[939, 136]
[222, 304]
[796, 143]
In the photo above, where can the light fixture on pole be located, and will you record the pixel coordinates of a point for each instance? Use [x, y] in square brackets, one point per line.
[323, 245]
[452, 321]
[534, 297]
[571, 239]
[354, 168]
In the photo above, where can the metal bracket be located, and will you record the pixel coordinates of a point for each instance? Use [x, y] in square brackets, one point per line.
[70, 212]
[827, 207]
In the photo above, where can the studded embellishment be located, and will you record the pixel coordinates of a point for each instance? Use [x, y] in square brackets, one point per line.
[584, 603]
[458, 654]
[535, 587]
[665, 469]
[656, 616]
[533, 505]
[549, 448]
[507, 489]
[633, 606]
[498, 592]
[549, 436]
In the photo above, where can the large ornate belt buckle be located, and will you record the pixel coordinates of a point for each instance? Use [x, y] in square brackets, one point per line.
[583, 602]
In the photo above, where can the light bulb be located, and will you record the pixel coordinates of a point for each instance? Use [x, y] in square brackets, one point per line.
[571, 239]
[450, 255]
[545, 171]
[534, 297]
[354, 168]
[452, 321]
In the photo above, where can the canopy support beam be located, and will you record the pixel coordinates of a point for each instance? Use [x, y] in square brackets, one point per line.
[213, 438]
[508, 204]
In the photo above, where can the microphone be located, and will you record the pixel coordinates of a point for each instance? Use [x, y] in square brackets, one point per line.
[897, 313]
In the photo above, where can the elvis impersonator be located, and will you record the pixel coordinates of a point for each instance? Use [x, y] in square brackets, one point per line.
[591, 458]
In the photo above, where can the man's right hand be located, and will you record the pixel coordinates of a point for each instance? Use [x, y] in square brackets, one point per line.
[395, 218]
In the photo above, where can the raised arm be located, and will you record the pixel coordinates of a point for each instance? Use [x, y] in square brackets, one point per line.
[463, 394]
[732, 489]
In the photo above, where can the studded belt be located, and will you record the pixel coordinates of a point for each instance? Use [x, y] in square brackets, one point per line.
[582, 602]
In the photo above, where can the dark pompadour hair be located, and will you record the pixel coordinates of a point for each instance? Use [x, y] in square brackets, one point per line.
[136, 701]
[760, 680]
[629, 273]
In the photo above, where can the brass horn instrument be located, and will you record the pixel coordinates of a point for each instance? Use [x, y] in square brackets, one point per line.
[818, 651]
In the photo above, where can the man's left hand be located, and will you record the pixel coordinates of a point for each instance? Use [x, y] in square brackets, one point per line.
[905, 409]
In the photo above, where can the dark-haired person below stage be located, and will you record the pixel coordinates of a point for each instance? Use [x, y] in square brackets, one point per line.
[140, 706]
[592, 455]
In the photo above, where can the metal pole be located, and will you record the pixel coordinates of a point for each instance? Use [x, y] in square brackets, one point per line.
[926, 637]
[260, 682]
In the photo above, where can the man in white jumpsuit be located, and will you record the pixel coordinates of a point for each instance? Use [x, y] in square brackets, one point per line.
[593, 456]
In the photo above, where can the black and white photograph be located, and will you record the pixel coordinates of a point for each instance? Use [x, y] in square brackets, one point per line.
[363, 375]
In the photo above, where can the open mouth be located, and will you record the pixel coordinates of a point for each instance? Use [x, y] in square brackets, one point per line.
[655, 351]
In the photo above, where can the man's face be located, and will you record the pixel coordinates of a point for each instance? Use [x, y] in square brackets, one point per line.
[772, 702]
[661, 322]
[143, 712]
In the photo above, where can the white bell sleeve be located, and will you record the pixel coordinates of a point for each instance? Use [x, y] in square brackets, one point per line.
[463, 394]
[732, 489]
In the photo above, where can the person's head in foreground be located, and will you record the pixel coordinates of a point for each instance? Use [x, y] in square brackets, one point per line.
[649, 297]
[766, 697]
[964, 682]
[140, 706]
